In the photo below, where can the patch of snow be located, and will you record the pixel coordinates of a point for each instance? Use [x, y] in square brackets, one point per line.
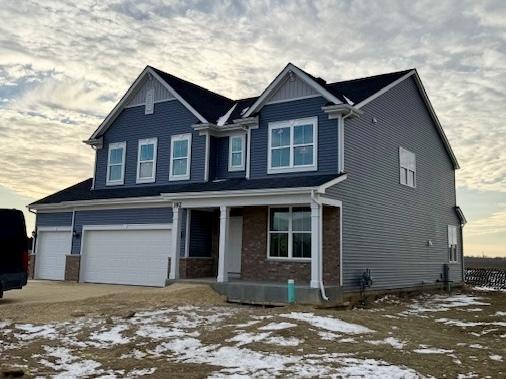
[495, 357]
[277, 326]
[371, 369]
[4, 324]
[432, 350]
[477, 346]
[283, 341]
[328, 323]
[223, 119]
[439, 303]
[347, 340]
[111, 337]
[31, 332]
[263, 317]
[500, 313]
[391, 316]
[69, 366]
[246, 324]
[394, 342]
[135, 373]
[466, 324]
[247, 338]
[135, 354]
[161, 332]
[489, 289]
[329, 336]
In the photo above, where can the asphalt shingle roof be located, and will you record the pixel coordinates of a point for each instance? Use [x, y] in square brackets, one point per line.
[82, 191]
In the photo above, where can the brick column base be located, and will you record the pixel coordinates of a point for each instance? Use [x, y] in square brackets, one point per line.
[196, 267]
[72, 266]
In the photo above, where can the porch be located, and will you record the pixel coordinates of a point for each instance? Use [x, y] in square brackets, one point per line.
[248, 250]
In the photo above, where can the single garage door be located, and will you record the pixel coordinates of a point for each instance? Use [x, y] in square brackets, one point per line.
[126, 256]
[51, 248]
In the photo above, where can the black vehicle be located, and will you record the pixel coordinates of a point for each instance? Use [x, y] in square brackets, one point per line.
[13, 250]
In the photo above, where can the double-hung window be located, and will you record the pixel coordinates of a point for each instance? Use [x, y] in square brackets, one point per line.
[146, 161]
[290, 233]
[236, 152]
[452, 244]
[116, 164]
[407, 163]
[293, 145]
[180, 157]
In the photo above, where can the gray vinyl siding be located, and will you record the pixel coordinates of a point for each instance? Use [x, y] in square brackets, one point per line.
[386, 225]
[169, 118]
[219, 159]
[292, 89]
[118, 216]
[54, 219]
[327, 135]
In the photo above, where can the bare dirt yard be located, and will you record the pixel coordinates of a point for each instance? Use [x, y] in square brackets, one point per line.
[189, 331]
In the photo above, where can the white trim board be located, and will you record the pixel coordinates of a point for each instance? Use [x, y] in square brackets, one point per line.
[128, 227]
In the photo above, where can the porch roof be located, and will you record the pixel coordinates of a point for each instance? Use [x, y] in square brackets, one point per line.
[82, 191]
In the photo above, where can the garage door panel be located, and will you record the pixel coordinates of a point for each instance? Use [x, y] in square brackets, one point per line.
[138, 257]
[52, 248]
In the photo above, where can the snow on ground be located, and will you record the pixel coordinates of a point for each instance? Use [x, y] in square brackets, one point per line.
[495, 357]
[432, 350]
[328, 323]
[113, 336]
[277, 326]
[489, 289]
[439, 303]
[468, 324]
[500, 313]
[394, 342]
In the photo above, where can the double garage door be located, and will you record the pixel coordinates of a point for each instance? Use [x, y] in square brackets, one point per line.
[121, 255]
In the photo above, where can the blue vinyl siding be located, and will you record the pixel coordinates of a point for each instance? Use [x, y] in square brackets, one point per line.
[54, 219]
[118, 216]
[169, 118]
[386, 225]
[327, 135]
[219, 159]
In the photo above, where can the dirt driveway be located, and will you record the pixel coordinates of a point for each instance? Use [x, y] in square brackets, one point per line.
[188, 331]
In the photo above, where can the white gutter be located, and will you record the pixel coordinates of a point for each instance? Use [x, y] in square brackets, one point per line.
[320, 250]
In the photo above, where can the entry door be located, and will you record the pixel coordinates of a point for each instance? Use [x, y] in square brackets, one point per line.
[235, 247]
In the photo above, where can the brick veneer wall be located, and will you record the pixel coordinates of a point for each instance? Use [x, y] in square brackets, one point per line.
[196, 267]
[72, 266]
[256, 267]
[254, 262]
[331, 245]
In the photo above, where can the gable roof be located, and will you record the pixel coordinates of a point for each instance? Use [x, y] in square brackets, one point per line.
[315, 83]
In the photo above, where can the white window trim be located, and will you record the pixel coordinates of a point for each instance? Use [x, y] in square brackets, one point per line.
[121, 181]
[291, 124]
[180, 137]
[408, 170]
[148, 141]
[453, 227]
[289, 232]
[242, 166]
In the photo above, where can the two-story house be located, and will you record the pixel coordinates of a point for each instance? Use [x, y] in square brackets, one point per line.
[312, 181]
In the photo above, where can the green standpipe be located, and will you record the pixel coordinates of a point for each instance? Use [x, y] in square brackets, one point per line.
[291, 291]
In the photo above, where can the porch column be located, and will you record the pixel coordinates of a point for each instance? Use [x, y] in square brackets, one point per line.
[315, 244]
[176, 242]
[222, 255]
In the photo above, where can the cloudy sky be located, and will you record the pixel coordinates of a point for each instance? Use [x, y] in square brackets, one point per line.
[64, 65]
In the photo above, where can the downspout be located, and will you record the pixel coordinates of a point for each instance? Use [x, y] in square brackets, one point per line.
[320, 252]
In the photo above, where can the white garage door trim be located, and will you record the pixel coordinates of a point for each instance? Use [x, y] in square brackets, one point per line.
[59, 274]
[119, 227]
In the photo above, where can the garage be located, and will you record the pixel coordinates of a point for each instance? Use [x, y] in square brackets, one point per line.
[126, 254]
[52, 245]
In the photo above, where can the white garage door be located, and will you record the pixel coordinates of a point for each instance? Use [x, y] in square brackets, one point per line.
[51, 249]
[137, 257]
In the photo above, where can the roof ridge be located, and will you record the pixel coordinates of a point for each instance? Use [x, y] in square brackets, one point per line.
[190, 83]
[371, 76]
